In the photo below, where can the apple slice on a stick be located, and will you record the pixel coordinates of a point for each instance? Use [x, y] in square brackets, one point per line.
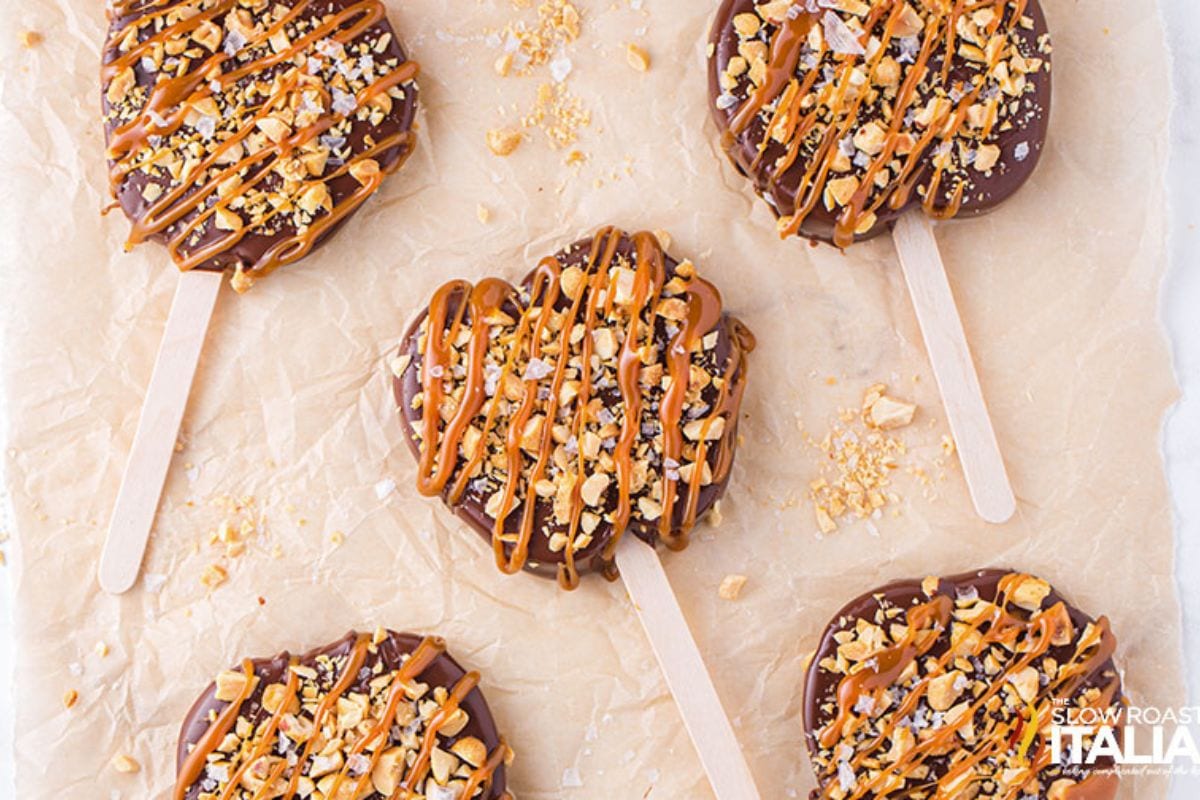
[950, 356]
[579, 419]
[229, 185]
[685, 672]
[158, 429]
[853, 121]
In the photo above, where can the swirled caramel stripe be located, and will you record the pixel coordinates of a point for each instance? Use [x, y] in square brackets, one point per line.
[599, 397]
[947, 689]
[847, 114]
[242, 134]
[389, 717]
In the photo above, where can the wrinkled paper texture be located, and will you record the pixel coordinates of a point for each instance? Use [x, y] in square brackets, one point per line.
[1057, 290]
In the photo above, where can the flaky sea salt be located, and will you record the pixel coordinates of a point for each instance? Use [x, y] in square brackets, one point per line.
[560, 68]
[343, 102]
[571, 778]
[234, 41]
[206, 126]
[839, 36]
[846, 777]
[537, 369]
[491, 379]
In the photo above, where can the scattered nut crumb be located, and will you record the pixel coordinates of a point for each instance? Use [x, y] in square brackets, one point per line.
[125, 764]
[338, 538]
[70, 698]
[530, 45]
[558, 114]
[716, 516]
[859, 461]
[533, 44]
[31, 39]
[213, 576]
[637, 58]
[484, 213]
[240, 281]
[883, 412]
[731, 587]
[503, 65]
[503, 141]
[101, 649]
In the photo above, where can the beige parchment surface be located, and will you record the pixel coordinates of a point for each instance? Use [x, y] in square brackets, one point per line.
[1058, 293]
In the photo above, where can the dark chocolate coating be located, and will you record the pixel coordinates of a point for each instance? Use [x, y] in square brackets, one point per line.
[444, 671]
[821, 686]
[256, 243]
[542, 560]
[988, 191]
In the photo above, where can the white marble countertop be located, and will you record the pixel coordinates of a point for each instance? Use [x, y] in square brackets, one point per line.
[1181, 436]
[1180, 302]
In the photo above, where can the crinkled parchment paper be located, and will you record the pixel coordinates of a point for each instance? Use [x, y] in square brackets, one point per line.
[1057, 290]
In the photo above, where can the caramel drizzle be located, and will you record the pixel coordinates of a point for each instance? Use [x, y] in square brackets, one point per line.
[475, 305]
[196, 760]
[782, 81]
[425, 654]
[268, 738]
[170, 98]
[926, 623]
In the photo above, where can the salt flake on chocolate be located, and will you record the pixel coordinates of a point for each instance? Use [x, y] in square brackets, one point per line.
[841, 39]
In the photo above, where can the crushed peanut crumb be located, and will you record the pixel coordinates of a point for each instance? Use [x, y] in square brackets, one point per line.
[731, 587]
[503, 141]
[637, 58]
[125, 764]
[860, 458]
[558, 114]
[213, 576]
[530, 48]
[31, 39]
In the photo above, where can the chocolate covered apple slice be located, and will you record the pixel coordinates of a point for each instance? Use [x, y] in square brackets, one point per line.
[948, 688]
[241, 135]
[366, 718]
[599, 397]
[846, 115]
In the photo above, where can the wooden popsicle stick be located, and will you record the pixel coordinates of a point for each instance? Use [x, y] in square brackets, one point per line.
[685, 672]
[158, 429]
[937, 314]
